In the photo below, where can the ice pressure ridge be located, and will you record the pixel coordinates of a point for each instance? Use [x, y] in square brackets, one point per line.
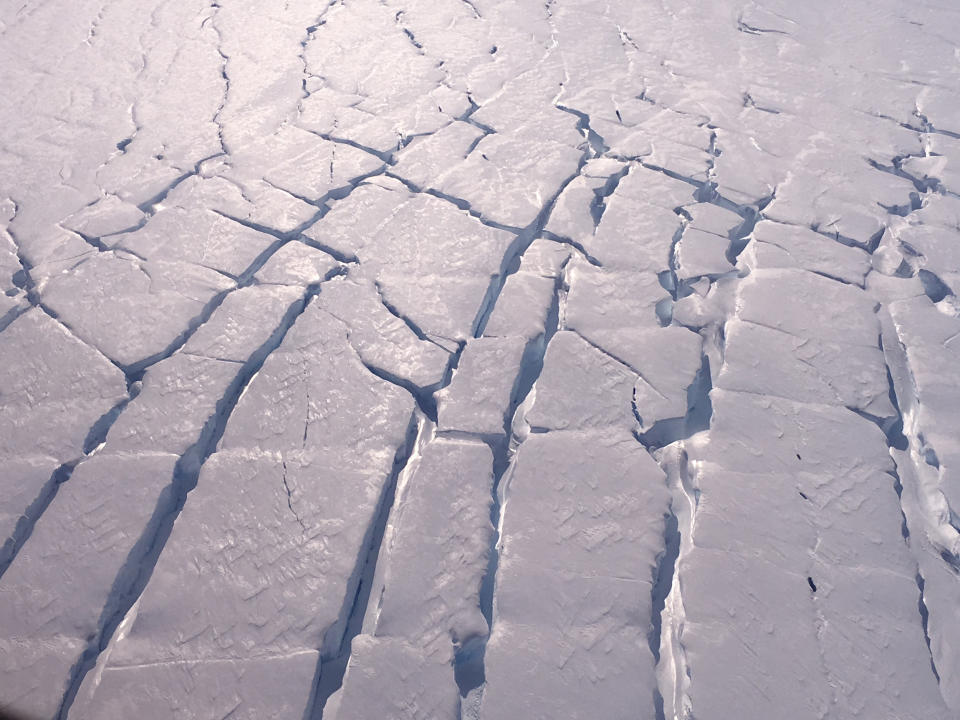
[480, 360]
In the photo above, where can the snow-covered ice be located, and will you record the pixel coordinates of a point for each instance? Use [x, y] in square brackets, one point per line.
[477, 360]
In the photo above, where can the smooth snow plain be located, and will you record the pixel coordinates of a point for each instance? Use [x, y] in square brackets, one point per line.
[478, 360]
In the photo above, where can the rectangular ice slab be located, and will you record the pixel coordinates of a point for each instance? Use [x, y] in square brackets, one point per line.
[426, 619]
[583, 527]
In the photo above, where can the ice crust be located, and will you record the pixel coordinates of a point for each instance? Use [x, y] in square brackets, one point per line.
[474, 360]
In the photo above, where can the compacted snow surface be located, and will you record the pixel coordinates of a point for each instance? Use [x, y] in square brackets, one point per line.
[442, 359]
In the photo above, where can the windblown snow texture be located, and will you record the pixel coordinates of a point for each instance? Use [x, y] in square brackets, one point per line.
[479, 360]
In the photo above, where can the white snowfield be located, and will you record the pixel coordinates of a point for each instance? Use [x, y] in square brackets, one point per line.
[480, 359]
